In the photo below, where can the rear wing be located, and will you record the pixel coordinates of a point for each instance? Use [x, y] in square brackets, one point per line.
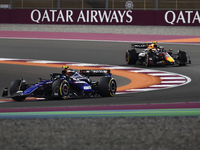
[140, 45]
[95, 72]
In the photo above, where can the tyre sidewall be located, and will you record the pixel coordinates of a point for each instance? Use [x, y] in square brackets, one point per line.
[107, 87]
[58, 89]
[14, 87]
[147, 60]
[182, 57]
[131, 56]
[64, 89]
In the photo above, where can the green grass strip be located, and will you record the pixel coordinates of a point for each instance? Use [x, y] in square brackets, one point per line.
[105, 113]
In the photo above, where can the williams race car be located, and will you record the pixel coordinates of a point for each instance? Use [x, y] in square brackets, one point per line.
[68, 84]
[153, 54]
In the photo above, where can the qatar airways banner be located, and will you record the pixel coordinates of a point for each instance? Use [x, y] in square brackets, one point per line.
[101, 17]
[178, 18]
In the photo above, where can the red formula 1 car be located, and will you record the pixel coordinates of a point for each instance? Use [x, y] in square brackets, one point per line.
[153, 54]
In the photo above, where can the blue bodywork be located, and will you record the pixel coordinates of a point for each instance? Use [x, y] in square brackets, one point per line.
[36, 86]
[64, 85]
[76, 79]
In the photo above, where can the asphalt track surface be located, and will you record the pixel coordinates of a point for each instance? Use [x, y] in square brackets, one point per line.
[99, 52]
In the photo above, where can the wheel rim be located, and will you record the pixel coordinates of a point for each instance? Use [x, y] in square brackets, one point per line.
[65, 89]
[127, 57]
[146, 60]
[112, 87]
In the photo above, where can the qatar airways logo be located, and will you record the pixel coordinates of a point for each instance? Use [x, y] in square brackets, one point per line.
[185, 17]
[93, 16]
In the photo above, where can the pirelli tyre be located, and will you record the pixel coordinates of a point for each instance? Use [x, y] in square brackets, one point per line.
[182, 57]
[107, 87]
[147, 64]
[14, 87]
[149, 59]
[60, 89]
[131, 57]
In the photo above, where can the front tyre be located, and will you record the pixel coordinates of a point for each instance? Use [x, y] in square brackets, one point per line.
[107, 87]
[60, 89]
[149, 59]
[14, 87]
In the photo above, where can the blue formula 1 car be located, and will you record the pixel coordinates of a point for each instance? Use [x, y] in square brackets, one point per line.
[68, 84]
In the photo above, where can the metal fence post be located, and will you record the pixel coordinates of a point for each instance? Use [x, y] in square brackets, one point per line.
[22, 4]
[11, 3]
[106, 4]
[58, 4]
[82, 4]
[156, 2]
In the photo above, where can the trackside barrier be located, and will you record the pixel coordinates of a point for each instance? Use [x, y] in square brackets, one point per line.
[101, 17]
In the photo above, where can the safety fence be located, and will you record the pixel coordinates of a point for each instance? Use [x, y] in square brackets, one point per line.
[102, 4]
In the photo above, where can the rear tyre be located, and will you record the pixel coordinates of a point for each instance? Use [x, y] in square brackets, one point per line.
[60, 89]
[107, 87]
[14, 87]
[131, 57]
[182, 57]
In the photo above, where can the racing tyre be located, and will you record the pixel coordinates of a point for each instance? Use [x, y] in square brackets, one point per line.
[14, 87]
[149, 59]
[60, 89]
[182, 57]
[131, 57]
[107, 87]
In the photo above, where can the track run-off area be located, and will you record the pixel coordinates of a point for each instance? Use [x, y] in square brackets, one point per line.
[140, 79]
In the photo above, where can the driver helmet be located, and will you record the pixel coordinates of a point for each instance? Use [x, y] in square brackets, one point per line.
[153, 45]
[150, 46]
[68, 72]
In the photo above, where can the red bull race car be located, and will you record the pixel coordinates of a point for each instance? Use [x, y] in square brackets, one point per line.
[153, 55]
